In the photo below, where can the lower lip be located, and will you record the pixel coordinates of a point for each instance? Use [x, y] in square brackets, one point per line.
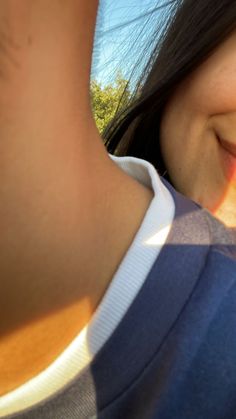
[228, 162]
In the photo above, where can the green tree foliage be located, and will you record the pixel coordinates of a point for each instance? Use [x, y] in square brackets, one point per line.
[107, 100]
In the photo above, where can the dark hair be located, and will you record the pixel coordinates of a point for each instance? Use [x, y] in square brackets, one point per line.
[193, 30]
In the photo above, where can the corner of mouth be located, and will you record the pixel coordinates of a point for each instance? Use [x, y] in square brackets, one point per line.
[229, 146]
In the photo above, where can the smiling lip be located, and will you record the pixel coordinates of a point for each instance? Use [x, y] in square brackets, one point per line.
[228, 158]
[228, 146]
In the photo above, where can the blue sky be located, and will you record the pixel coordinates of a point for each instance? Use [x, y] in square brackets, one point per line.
[110, 47]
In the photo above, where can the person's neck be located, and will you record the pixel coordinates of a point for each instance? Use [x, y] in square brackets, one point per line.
[69, 240]
[68, 214]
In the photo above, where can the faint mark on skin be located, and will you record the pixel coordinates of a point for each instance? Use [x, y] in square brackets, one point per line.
[9, 40]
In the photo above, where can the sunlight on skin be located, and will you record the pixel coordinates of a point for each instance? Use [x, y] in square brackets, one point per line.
[225, 211]
[46, 350]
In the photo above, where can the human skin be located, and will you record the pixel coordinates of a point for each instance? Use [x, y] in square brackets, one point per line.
[68, 214]
[201, 111]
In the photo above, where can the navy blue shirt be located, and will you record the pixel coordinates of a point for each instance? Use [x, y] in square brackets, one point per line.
[173, 355]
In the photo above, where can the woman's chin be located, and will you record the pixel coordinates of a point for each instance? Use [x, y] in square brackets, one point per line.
[226, 213]
[220, 201]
